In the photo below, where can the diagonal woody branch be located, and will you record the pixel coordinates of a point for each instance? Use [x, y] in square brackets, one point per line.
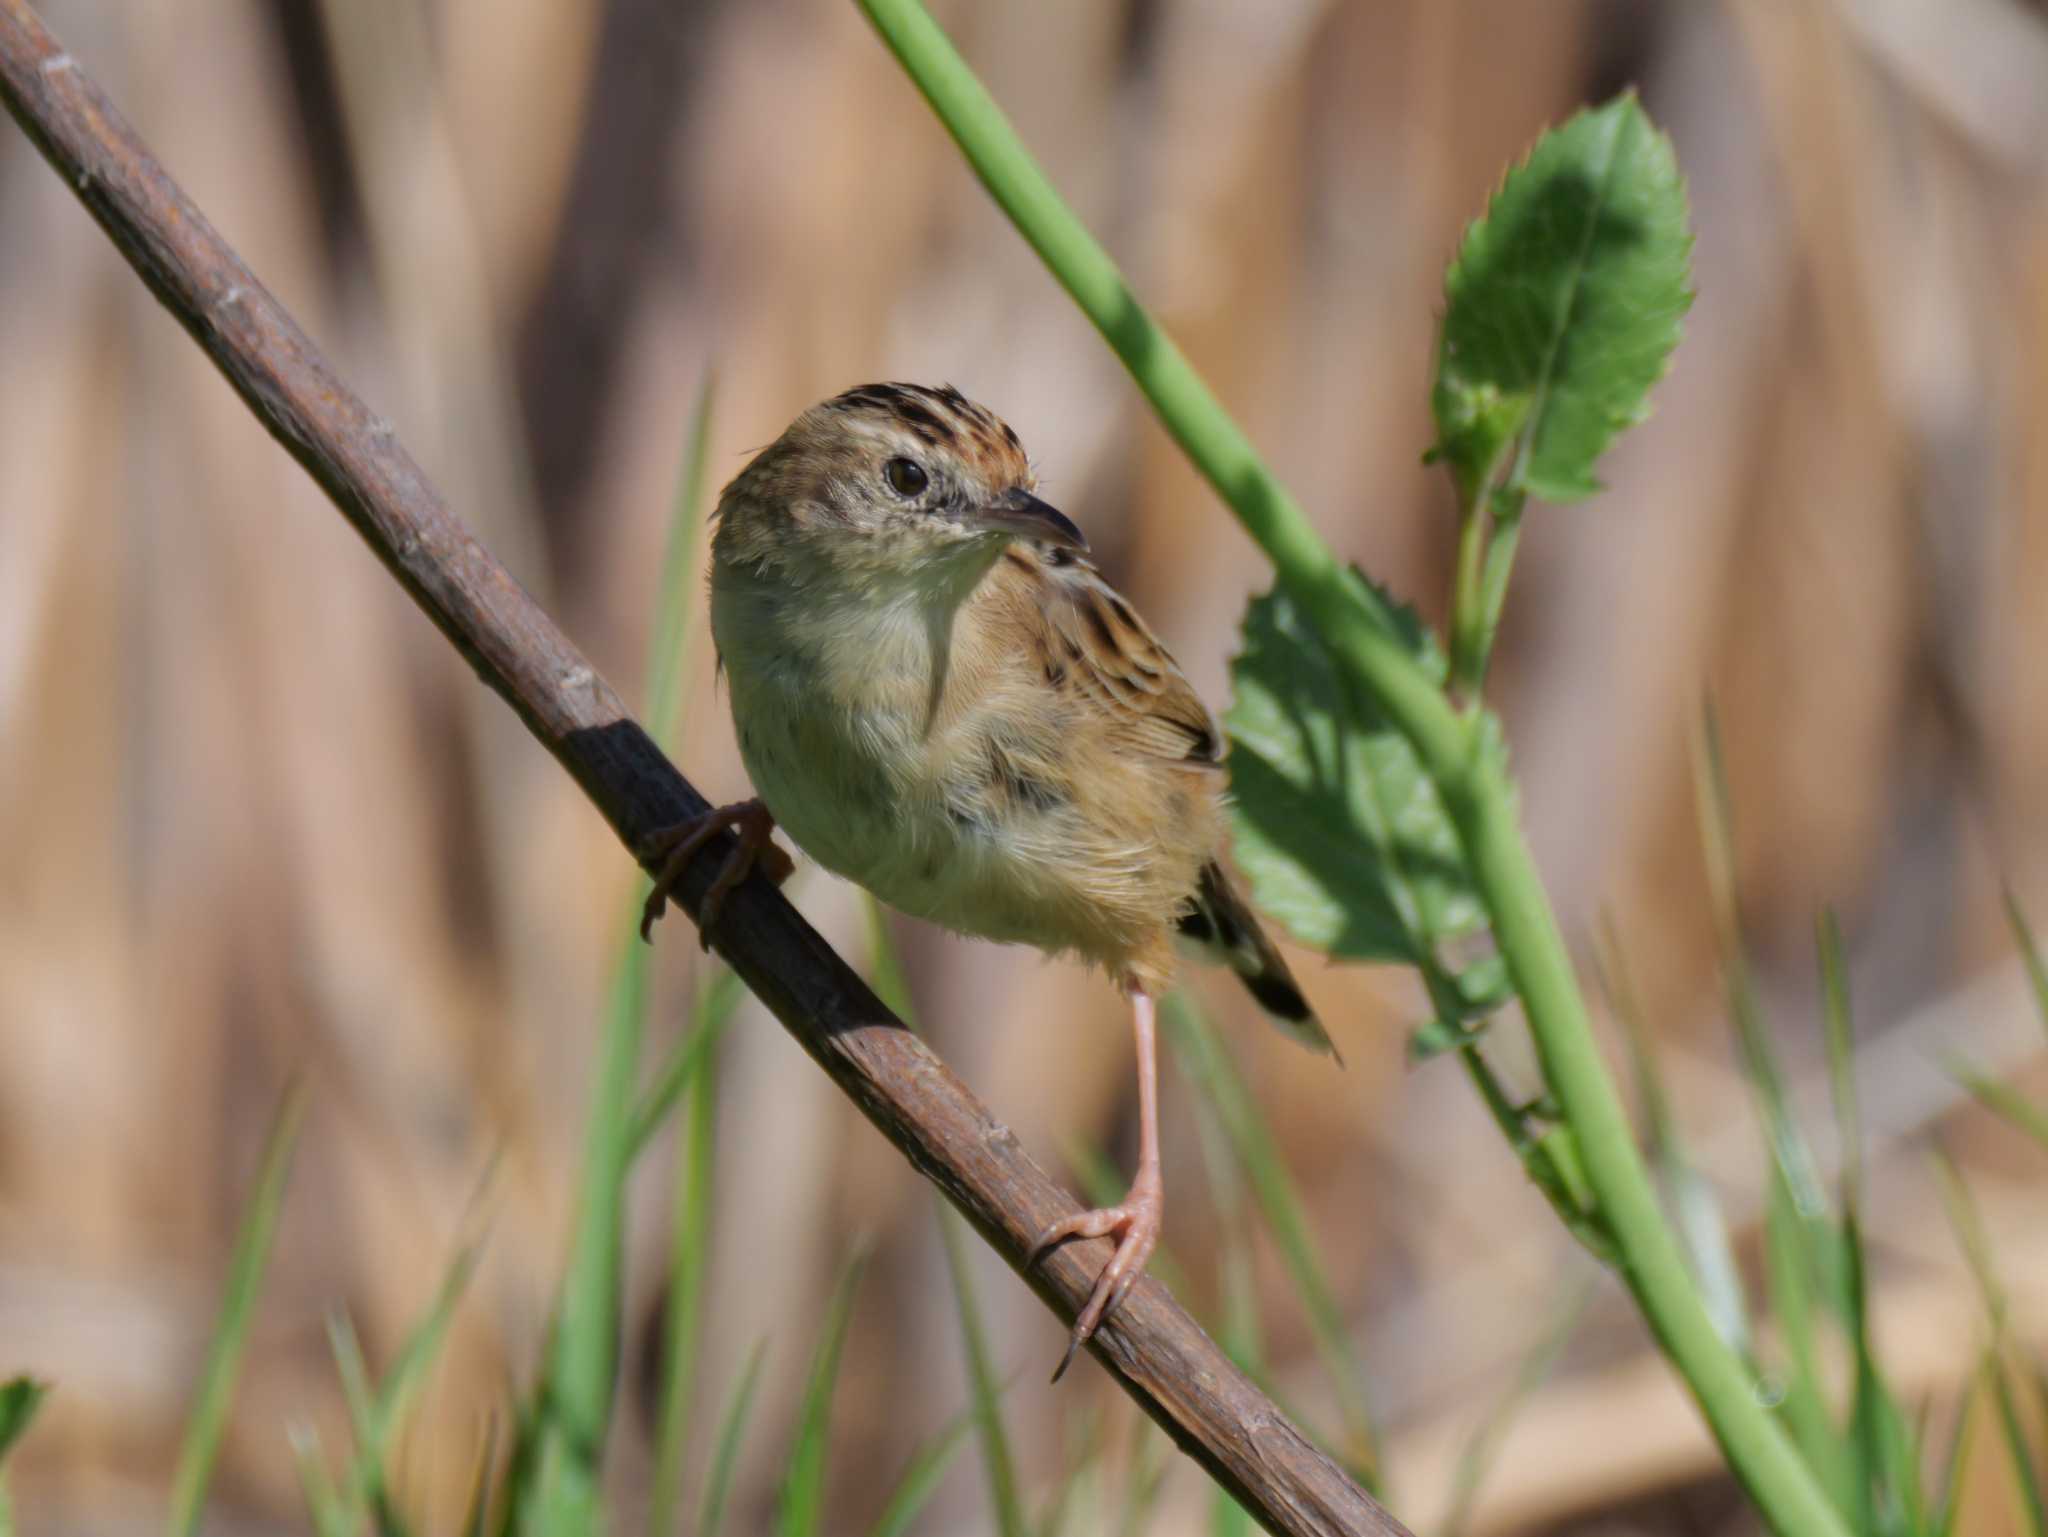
[1159, 1355]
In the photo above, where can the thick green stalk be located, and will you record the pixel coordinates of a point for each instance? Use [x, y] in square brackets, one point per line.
[1474, 788]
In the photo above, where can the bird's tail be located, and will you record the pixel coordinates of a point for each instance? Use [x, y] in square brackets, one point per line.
[1223, 927]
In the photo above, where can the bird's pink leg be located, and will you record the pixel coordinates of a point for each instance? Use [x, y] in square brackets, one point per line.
[677, 845]
[1134, 1224]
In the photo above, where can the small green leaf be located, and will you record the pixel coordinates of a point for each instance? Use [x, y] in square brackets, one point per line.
[1564, 304]
[1338, 829]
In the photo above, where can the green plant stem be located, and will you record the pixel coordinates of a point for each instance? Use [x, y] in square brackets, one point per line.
[1475, 789]
[1468, 662]
[1493, 581]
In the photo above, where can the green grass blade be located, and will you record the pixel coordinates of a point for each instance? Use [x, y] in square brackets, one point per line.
[689, 1257]
[999, 1467]
[1759, 1054]
[718, 1000]
[672, 645]
[476, 1520]
[19, 1401]
[1273, 1188]
[1487, 1438]
[560, 1470]
[1143, 1480]
[802, 1507]
[1702, 1224]
[885, 965]
[558, 1495]
[1803, 1405]
[208, 1422]
[1081, 1455]
[2017, 1449]
[922, 1476]
[2004, 1101]
[323, 1501]
[1967, 1224]
[1953, 1468]
[378, 1416]
[1887, 1487]
[2037, 970]
[1841, 1038]
[725, 1456]
[1239, 1334]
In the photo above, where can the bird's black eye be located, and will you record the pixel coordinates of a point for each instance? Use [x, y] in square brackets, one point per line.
[906, 477]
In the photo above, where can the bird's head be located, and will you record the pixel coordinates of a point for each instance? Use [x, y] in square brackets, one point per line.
[889, 476]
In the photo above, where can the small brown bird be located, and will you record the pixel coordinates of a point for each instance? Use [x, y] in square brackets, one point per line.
[939, 697]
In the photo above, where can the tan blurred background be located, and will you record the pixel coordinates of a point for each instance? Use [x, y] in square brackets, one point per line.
[256, 820]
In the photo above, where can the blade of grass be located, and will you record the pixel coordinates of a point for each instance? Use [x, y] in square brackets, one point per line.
[557, 1494]
[2037, 970]
[1953, 1468]
[1702, 1225]
[725, 1456]
[1196, 1043]
[19, 1399]
[477, 1519]
[998, 1466]
[1239, 1334]
[580, 1379]
[2004, 1101]
[1143, 1480]
[1491, 1433]
[1834, 979]
[1803, 1404]
[689, 1257]
[1082, 1452]
[1968, 1225]
[1759, 1055]
[379, 1417]
[801, 1511]
[922, 1476]
[208, 1422]
[672, 646]
[323, 1500]
[2017, 1449]
[718, 999]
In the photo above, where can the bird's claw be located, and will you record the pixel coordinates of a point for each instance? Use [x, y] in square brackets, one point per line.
[677, 845]
[1135, 1226]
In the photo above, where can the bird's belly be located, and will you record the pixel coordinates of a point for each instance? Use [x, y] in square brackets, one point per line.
[872, 801]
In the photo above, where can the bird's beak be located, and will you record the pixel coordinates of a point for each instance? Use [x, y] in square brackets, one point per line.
[1024, 516]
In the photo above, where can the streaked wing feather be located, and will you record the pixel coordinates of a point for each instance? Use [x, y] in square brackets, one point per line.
[1118, 660]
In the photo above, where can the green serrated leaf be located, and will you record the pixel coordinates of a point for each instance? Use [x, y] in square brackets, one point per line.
[1338, 829]
[1563, 304]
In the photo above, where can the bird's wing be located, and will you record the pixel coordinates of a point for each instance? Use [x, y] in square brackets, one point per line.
[1095, 641]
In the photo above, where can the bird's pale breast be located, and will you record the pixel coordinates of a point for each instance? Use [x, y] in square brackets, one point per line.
[907, 738]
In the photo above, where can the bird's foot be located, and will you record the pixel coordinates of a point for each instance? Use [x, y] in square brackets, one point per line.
[1135, 1226]
[677, 845]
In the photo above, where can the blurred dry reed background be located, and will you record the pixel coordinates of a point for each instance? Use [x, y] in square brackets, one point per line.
[256, 820]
